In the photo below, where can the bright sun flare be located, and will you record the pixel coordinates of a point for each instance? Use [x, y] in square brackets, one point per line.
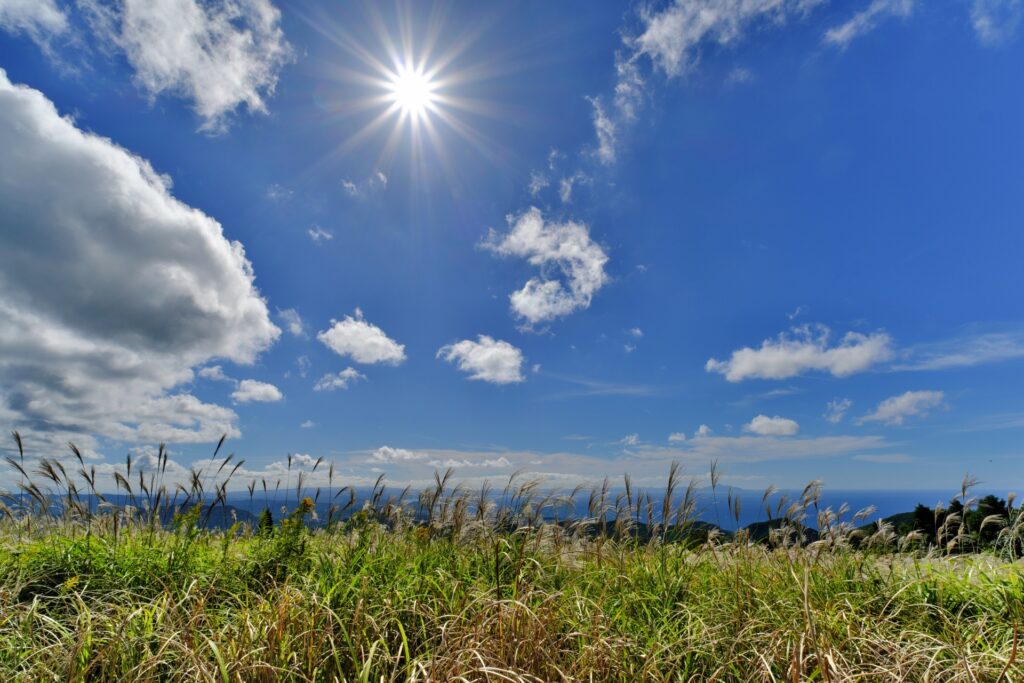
[412, 91]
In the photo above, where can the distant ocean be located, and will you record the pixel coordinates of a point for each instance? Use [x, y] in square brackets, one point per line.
[713, 509]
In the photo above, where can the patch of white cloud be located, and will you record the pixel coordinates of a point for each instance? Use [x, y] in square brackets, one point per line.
[111, 290]
[389, 454]
[630, 440]
[996, 21]
[279, 193]
[672, 37]
[804, 349]
[566, 185]
[254, 391]
[962, 352]
[572, 265]
[487, 359]
[836, 410]
[538, 181]
[676, 437]
[307, 424]
[40, 20]
[500, 462]
[739, 75]
[363, 341]
[304, 365]
[702, 432]
[319, 235]
[606, 129]
[293, 321]
[896, 409]
[762, 425]
[214, 373]
[341, 380]
[218, 54]
[376, 182]
[866, 20]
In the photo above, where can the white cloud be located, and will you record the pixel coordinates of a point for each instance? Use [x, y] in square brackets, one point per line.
[214, 373]
[567, 184]
[671, 39]
[605, 128]
[307, 424]
[739, 75]
[362, 188]
[676, 437]
[293, 321]
[38, 19]
[319, 235]
[762, 425]
[629, 348]
[342, 380]
[630, 440]
[702, 432]
[219, 54]
[864, 21]
[538, 181]
[566, 248]
[806, 348]
[673, 36]
[895, 410]
[996, 21]
[279, 193]
[487, 359]
[962, 352]
[636, 332]
[111, 289]
[463, 463]
[251, 390]
[304, 364]
[363, 341]
[836, 410]
[389, 454]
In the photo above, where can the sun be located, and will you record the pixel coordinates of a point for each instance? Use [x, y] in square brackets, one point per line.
[412, 91]
[413, 87]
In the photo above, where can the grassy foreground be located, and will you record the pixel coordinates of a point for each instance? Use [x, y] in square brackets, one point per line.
[451, 590]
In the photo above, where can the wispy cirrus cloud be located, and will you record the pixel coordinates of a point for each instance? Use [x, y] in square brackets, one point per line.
[996, 21]
[866, 20]
[40, 20]
[963, 351]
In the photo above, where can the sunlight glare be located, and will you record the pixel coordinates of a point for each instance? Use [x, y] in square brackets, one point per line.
[412, 91]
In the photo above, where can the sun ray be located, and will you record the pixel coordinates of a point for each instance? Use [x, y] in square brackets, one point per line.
[412, 89]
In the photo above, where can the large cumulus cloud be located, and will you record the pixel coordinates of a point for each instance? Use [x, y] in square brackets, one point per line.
[111, 290]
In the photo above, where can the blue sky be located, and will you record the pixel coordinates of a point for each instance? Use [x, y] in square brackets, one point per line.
[785, 235]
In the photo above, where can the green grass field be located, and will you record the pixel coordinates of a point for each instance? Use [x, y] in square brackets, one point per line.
[469, 592]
